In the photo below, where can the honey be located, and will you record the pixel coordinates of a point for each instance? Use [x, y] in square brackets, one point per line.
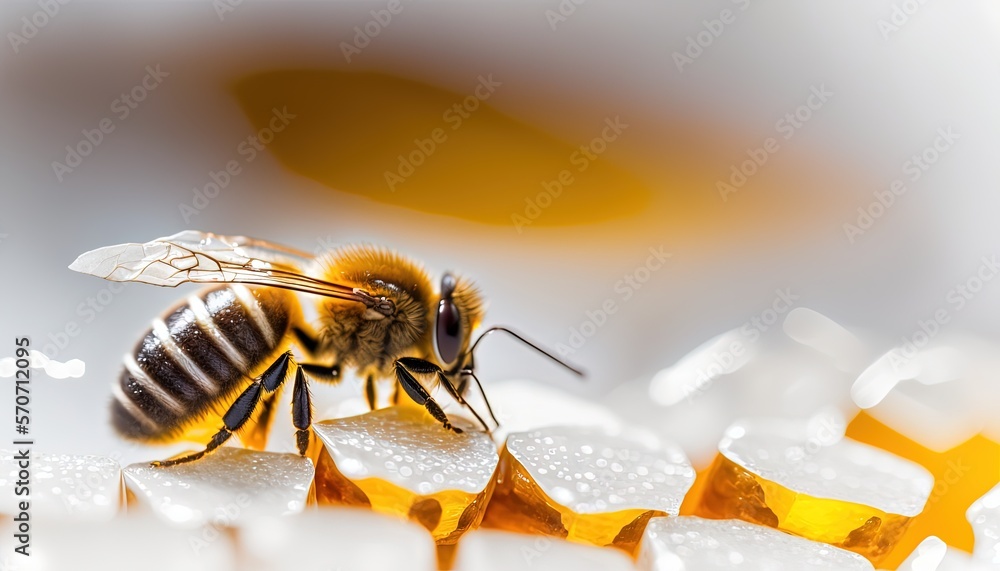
[961, 475]
[734, 492]
[842, 493]
[520, 505]
[585, 486]
[446, 515]
[400, 462]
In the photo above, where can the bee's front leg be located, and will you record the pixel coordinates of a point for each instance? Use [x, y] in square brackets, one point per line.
[416, 391]
[420, 366]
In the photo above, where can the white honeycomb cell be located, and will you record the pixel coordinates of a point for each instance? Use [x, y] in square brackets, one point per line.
[694, 544]
[64, 487]
[401, 446]
[491, 550]
[816, 462]
[589, 471]
[224, 488]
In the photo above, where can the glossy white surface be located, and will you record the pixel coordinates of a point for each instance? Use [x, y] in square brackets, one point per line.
[403, 446]
[225, 488]
[694, 544]
[825, 465]
[589, 471]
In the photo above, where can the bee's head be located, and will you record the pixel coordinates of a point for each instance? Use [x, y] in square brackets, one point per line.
[459, 311]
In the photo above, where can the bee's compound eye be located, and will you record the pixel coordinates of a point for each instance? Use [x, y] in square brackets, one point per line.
[448, 337]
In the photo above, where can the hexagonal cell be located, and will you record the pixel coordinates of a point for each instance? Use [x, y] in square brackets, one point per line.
[687, 542]
[64, 487]
[492, 550]
[807, 481]
[222, 489]
[399, 461]
[334, 538]
[586, 485]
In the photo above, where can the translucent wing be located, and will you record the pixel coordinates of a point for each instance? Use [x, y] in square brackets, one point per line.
[202, 257]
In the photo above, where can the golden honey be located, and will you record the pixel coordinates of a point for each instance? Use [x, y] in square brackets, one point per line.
[961, 475]
[400, 462]
[446, 515]
[586, 485]
[732, 491]
[519, 504]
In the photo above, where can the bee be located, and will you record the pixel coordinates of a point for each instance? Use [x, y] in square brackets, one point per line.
[222, 356]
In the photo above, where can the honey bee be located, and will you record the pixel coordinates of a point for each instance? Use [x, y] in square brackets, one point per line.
[224, 354]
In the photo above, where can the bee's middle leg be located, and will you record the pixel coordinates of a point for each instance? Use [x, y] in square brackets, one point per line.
[370, 391]
[301, 411]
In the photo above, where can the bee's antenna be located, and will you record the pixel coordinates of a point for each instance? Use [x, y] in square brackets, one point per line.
[529, 344]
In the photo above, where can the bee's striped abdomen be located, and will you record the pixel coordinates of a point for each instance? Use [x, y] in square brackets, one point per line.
[200, 352]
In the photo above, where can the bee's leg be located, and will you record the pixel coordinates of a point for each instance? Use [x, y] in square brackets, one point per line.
[322, 373]
[301, 411]
[421, 366]
[242, 408]
[306, 340]
[419, 394]
[370, 391]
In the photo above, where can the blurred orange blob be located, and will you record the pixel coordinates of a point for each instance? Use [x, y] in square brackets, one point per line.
[400, 142]
[961, 475]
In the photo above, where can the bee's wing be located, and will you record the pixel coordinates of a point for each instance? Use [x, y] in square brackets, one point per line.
[201, 257]
[252, 247]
